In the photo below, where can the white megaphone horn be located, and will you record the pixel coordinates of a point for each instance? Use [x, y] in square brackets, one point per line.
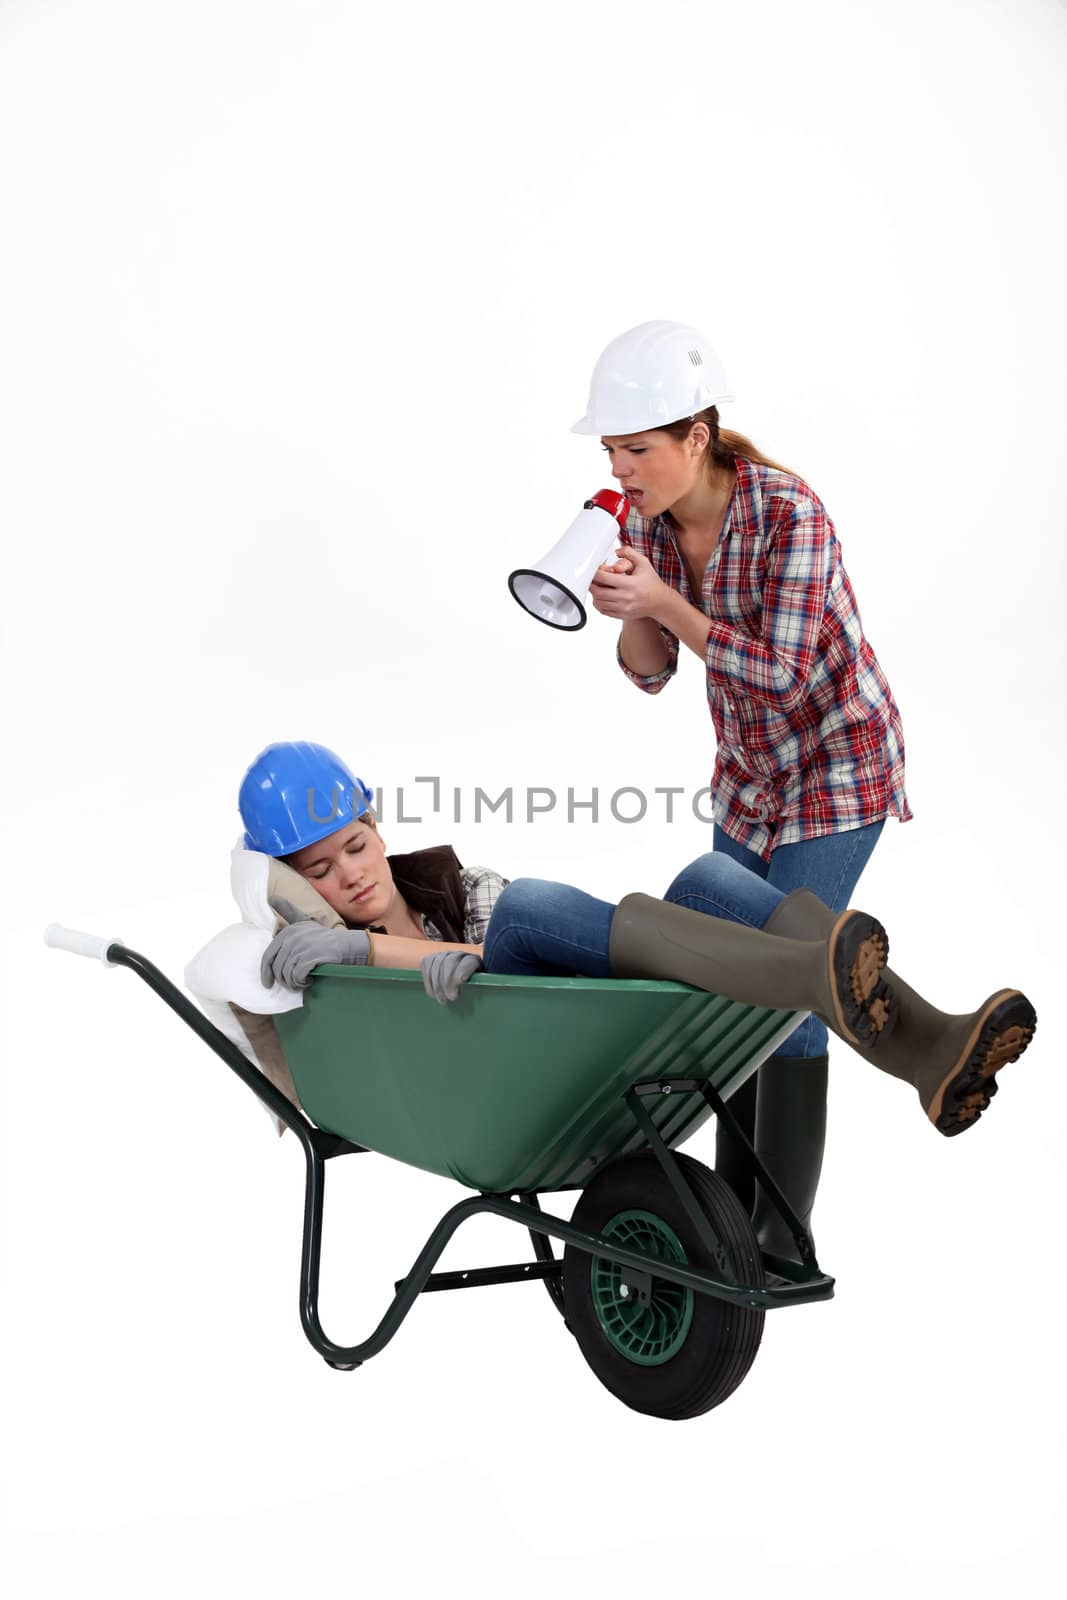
[553, 590]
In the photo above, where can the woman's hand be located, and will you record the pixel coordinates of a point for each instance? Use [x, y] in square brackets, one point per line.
[630, 589]
[446, 971]
[621, 564]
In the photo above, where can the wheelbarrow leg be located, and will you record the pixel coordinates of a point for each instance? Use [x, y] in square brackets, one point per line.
[311, 1250]
[544, 1252]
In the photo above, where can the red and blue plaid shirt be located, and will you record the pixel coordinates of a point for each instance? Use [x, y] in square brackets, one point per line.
[809, 735]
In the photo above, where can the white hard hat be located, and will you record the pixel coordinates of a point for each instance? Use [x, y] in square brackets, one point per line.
[655, 373]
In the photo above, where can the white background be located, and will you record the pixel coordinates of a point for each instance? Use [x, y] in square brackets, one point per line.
[298, 304]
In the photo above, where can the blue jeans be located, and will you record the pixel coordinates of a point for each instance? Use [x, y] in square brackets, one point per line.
[541, 927]
[538, 927]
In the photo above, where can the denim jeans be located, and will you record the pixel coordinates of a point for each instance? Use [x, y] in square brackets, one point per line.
[539, 927]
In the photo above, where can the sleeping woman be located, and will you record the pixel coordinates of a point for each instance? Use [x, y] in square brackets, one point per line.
[719, 927]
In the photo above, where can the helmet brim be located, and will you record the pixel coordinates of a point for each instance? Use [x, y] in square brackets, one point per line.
[616, 427]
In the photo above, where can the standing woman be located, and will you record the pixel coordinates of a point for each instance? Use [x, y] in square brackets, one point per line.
[735, 557]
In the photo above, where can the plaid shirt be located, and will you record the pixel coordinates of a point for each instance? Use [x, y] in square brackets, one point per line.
[481, 889]
[809, 736]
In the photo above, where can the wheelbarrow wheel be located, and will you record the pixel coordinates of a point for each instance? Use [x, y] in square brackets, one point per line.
[683, 1352]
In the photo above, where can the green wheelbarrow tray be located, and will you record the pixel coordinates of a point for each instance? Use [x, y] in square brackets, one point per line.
[530, 1085]
[519, 1085]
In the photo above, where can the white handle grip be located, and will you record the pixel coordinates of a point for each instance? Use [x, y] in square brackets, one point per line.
[79, 944]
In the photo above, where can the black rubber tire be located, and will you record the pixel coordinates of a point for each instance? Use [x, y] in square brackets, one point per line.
[722, 1339]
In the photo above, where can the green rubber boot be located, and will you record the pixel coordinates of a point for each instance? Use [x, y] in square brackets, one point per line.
[790, 1138]
[952, 1061]
[837, 973]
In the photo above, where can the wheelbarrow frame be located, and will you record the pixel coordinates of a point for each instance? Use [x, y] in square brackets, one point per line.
[799, 1285]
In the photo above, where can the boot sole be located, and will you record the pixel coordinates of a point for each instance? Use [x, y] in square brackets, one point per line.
[865, 1007]
[1004, 1028]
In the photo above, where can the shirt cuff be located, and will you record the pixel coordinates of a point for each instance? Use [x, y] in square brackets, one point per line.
[652, 682]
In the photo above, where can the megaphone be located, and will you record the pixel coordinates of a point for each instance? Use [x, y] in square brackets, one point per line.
[553, 590]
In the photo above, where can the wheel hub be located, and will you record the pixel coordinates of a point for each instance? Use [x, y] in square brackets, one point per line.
[645, 1328]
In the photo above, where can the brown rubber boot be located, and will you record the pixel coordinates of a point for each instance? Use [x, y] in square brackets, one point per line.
[951, 1060]
[838, 974]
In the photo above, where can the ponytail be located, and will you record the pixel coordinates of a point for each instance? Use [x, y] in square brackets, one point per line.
[724, 446]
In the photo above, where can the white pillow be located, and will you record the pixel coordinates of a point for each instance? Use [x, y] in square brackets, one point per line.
[225, 973]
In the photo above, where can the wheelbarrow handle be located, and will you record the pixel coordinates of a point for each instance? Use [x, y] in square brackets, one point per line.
[79, 944]
[318, 1145]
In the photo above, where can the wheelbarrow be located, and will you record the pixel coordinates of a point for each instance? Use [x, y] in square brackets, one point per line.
[525, 1087]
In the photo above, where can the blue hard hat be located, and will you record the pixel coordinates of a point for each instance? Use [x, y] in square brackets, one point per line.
[296, 794]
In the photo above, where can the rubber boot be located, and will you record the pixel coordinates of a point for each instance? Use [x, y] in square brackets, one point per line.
[951, 1060]
[790, 1137]
[837, 974]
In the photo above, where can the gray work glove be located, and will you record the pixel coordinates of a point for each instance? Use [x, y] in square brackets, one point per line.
[446, 971]
[297, 950]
